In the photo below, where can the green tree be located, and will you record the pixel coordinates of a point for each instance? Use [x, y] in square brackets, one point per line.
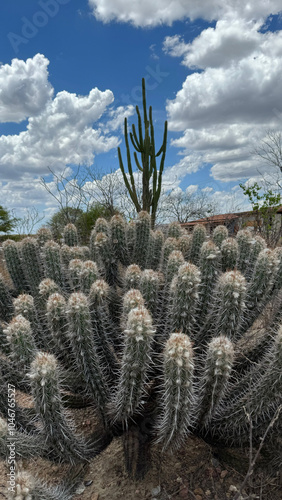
[84, 221]
[265, 206]
[7, 223]
[144, 143]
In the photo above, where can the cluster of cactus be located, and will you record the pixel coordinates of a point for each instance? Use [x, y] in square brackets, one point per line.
[165, 333]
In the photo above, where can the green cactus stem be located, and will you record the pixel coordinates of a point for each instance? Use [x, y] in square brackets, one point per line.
[175, 260]
[158, 246]
[58, 324]
[32, 263]
[52, 262]
[261, 285]
[144, 144]
[149, 286]
[85, 351]
[176, 392]
[131, 300]
[143, 224]
[6, 301]
[258, 245]
[198, 237]
[220, 233]
[103, 331]
[75, 268]
[24, 304]
[135, 364]
[170, 245]
[88, 274]
[213, 383]
[245, 242]
[229, 254]
[131, 240]
[26, 445]
[58, 429]
[14, 265]
[229, 303]
[43, 235]
[184, 295]
[22, 344]
[132, 278]
[70, 235]
[174, 230]
[184, 245]
[209, 265]
[118, 238]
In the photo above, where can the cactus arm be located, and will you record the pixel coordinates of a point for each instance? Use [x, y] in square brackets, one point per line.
[134, 140]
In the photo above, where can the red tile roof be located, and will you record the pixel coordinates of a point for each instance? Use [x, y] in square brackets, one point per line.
[222, 218]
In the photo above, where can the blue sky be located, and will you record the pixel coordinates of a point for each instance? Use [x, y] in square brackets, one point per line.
[212, 70]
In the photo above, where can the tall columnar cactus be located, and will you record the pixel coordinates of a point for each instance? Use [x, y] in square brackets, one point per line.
[75, 268]
[258, 245]
[85, 351]
[260, 397]
[184, 294]
[245, 242]
[217, 371]
[56, 311]
[103, 333]
[169, 246]
[138, 337]
[149, 286]
[132, 278]
[87, 275]
[24, 305]
[143, 224]
[14, 265]
[22, 344]
[229, 254]
[198, 237]
[219, 234]
[227, 309]
[70, 235]
[45, 383]
[176, 391]
[157, 330]
[6, 302]
[118, 238]
[43, 235]
[158, 245]
[174, 230]
[261, 284]
[144, 143]
[184, 245]
[32, 264]
[52, 262]
[209, 266]
[175, 260]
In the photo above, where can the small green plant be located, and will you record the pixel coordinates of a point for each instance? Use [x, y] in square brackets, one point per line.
[265, 207]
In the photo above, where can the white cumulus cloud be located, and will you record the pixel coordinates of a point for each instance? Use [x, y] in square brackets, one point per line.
[24, 88]
[62, 129]
[148, 13]
[225, 109]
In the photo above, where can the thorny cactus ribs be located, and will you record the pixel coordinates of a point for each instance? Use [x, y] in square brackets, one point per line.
[162, 330]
